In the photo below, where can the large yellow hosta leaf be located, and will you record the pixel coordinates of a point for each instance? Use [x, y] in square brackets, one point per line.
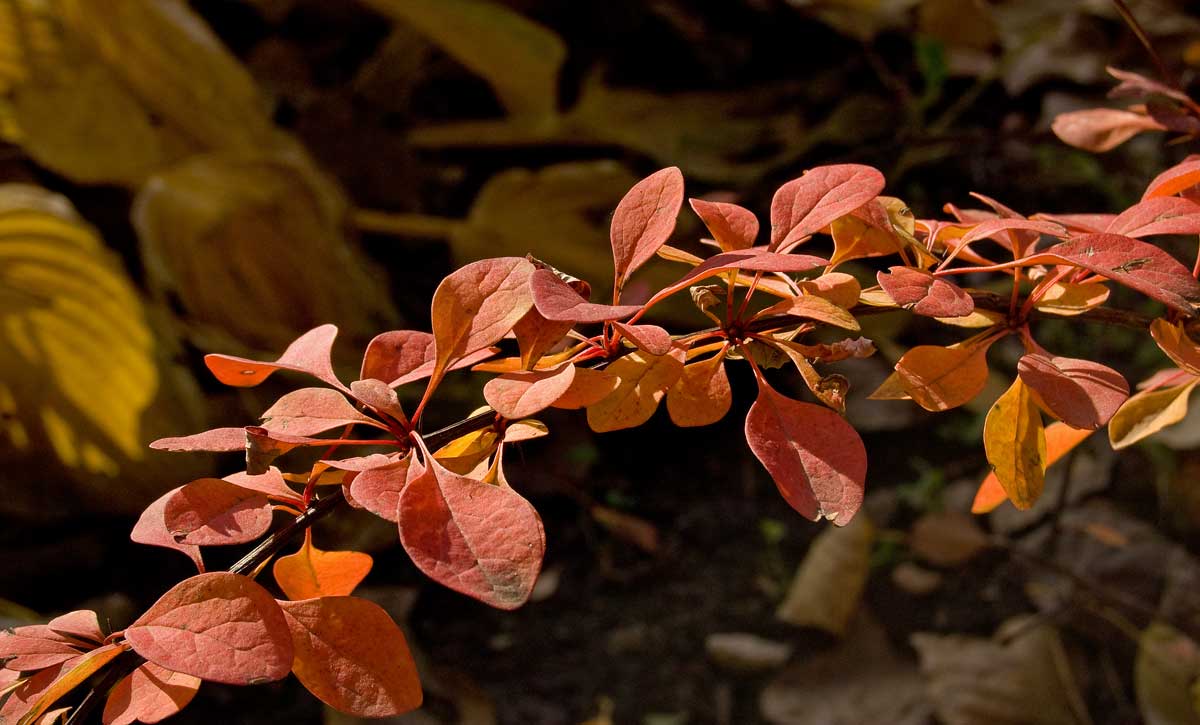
[253, 247]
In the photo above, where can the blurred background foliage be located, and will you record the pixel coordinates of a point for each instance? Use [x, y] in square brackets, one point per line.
[221, 175]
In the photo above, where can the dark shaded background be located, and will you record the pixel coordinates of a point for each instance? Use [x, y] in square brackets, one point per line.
[317, 162]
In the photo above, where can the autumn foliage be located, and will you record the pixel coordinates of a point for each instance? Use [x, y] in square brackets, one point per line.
[772, 305]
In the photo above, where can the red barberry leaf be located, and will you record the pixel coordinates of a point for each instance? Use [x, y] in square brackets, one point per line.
[377, 489]
[149, 694]
[312, 572]
[644, 220]
[217, 626]
[755, 259]
[310, 353]
[925, 294]
[476, 305]
[817, 460]
[651, 339]
[23, 697]
[151, 529]
[556, 301]
[380, 397]
[211, 511]
[29, 652]
[73, 674]
[1014, 233]
[1158, 215]
[1101, 129]
[309, 411]
[1180, 177]
[394, 354]
[732, 226]
[839, 288]
[587, 388]
[536, 335]
[481, 540]
[81, 624]
[218, 440]
[264, 446]
[808, 204]
[270, 483]
[352, 656]
[1080, 393]
[520, 395]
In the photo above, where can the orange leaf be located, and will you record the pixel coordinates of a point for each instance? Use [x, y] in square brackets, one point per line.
[80, 670]
[1015, 443]
[1060, 439]
[701, 395]
[1179, 177]
[520, 395]
[643, 220]
[475, 306]
[1067, 299]
[478, 539]
[149, 694]
[311, 572]
[811, 307]
[817, 460]
[310, 353]
[838, 287]
[151, 530]
[644, 379]
[588, 388]
[940, 378]
[352, 656]
[1173, 340]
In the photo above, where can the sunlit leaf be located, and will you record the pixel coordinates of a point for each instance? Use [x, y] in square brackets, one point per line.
[74, 674]
[217, 626]
[309, 411]
[211, 511]
[310, 353]
[1015, 442]
[1080, 393]
[1158, 215]
[1060, 439]
[520, 395]
[940, 378]
[557, 301]
[519, 58]
[817, 460]
[732, 226]
[476, 305]
[644, 220]
[312, 572]
[838, 287]
[920, 292]
[81, 624]
[478, 539]
[151, 529]
[380, 397]
[1068, 300]
[1173, 340]
[644, 379]
[701, 395]
[1179, 177]
[149, 694]
[1148, 412]
[811, 307]
[352, 656]
[754, 259]
[378, 488]
[859, 235]
[587, 388]
[29, 653]
[650, 339]
[536, 335]
[808, 204]
[1101, 129]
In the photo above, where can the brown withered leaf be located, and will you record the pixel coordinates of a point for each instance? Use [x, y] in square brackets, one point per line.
[277, 222]
[827, 587]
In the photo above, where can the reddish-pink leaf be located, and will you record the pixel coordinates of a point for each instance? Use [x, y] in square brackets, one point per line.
[1101, 129]
[377, 489]
[924, 294]
[352, 656]
[25, 695]
[309, 411]
[733, 227]
[755, 259]
[481, 540]
[1080, 393]
[648, 338]
[476, 306]
[536, 335]
[1135, 85]
[555, 300]
[644, 220]
[520, 395]
[149, 694]
[1158, 215]
[310, 353]
[217, 626]
[810, 203]
[73, 674]
[210, 512]
[379, 396]
[264, 446]
[81, 624]
[1180, 177]
[30, 653]
[151, 529]
[394, 354]
[270, 483]
[1085, 223]
[219, 440]
[1135, 264]
[1005, 229]
[423, 371]
[815, 457]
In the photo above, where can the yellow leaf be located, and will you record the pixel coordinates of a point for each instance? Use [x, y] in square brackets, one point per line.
[1015, 442]
[1068, 300]
[519, 58]
[1060, 439]
[461, 455]
[1148, 412]
[644, 380]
